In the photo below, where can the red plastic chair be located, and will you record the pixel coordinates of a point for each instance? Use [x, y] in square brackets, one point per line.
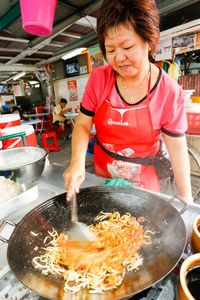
[48, 126]
[49, 141]
[40, 126]
[39, 109]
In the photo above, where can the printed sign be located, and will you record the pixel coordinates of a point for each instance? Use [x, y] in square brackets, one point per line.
[73, 91]
[164, 51]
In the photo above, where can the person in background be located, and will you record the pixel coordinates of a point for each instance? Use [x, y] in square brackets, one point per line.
[58, 114]
[17, 110]
[5, 109]
[134, 105]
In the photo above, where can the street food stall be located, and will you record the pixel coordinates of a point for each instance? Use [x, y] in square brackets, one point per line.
[167, 233]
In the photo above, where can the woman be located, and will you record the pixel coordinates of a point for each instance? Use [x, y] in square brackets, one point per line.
[132, 102]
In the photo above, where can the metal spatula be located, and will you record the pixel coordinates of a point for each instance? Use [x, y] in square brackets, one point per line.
[78, 230]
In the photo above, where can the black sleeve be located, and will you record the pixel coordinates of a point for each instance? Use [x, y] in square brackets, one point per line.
[87, 112]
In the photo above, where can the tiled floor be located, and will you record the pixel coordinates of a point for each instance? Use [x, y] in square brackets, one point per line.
[62, 158]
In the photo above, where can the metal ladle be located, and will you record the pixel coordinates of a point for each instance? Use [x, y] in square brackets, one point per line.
[78, 230]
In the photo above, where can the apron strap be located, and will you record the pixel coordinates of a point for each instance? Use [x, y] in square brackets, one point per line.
[161, 163]
[147, 161]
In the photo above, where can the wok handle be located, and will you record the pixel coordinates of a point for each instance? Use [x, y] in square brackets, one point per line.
[177, 198]
[2, 225]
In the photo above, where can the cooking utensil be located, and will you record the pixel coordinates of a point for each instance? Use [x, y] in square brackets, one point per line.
[78, 230]
[160, 257]
[26, 163]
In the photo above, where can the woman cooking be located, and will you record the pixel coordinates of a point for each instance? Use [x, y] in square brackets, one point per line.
[131, 102]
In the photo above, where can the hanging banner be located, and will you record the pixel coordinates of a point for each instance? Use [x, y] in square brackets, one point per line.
[72, 89]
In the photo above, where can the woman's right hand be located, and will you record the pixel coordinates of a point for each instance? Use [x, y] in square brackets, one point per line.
[73, 176]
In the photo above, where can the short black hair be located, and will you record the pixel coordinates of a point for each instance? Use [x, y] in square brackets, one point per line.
[14, 108]
[63, 100]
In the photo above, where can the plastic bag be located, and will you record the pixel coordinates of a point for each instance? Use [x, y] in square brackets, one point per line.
[118, 182]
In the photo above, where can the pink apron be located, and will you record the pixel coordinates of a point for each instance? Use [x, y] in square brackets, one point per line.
[127, 132]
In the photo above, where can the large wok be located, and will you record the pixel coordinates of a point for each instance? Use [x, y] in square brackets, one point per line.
[159, 258]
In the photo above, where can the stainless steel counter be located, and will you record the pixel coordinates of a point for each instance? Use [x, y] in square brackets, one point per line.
[50, 184]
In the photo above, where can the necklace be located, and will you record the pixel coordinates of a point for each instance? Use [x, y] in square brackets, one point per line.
[129, 94]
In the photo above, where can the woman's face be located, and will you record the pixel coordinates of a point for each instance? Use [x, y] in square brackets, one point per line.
[126, 51]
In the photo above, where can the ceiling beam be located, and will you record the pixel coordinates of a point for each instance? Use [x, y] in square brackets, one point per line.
[10, 16]
[87, 21]
[17, 68]
[9, 50]
[58, 55]
[70, 6]
[169, 6]
[5, 76]
[19, 50]
[53, 45]
[85, 39]
[6, 57]
[32, 58]
[71, 34]
[17, 40]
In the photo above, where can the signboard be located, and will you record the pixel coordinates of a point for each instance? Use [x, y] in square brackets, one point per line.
[184, 43]
[164, 51]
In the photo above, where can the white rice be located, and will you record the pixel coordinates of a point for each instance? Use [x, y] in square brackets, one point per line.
[9, 189]
[19, 159]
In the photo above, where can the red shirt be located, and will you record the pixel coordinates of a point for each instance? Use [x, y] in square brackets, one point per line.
[166, 102]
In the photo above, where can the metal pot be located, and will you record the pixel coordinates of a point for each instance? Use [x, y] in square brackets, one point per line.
[159, 258]
[24, 163]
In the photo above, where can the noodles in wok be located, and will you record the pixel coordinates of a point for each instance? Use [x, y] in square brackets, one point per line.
[98, 265]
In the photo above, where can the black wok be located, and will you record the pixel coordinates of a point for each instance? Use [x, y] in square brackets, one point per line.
[159, 258]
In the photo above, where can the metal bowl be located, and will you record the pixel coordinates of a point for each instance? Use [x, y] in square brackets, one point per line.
[25, 163]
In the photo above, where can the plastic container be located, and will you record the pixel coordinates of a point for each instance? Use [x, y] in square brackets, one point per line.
[90, 149]
[9, 120]
[195, 240]
[193, 119]
[188, 94]
[17, 142]
[184, 293]
[195, 99]
[38, 16]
